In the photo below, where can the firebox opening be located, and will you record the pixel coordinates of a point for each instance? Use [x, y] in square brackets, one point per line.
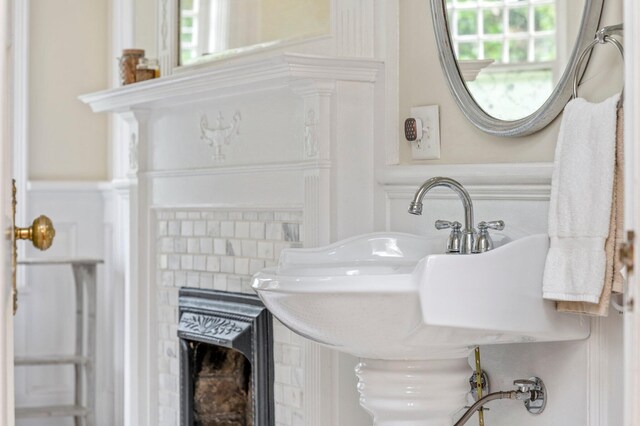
[222, 386]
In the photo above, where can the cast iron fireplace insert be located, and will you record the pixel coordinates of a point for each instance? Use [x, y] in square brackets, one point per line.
[214, 328]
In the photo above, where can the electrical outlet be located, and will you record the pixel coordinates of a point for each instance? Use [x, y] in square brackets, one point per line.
[428, 148]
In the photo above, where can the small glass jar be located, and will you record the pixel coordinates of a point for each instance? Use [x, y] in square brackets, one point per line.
[143, 72]
[128, 65]
[155, 66]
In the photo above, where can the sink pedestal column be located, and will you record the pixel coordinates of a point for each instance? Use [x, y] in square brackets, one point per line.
[413, 393]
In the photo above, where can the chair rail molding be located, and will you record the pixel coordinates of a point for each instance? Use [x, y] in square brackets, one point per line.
[506, 181]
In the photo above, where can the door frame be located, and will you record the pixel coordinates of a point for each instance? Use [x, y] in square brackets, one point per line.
[632, 210]
[7, 406]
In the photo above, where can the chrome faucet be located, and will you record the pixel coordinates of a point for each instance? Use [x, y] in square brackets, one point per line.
[463, 241]
[466, 239]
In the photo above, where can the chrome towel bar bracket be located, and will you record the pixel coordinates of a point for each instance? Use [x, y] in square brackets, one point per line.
[603, 36]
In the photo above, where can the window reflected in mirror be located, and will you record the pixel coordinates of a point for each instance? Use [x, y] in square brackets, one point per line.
[511, 53]
[214, 28]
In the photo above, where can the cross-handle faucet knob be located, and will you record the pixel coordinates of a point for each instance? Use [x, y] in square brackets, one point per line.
[445, 224]
[498, 225]
[455, 238]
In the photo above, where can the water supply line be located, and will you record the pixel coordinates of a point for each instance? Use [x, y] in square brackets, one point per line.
[532, 392]
[479, 403]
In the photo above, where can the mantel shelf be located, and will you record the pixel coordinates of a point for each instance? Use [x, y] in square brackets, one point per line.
[284, 70]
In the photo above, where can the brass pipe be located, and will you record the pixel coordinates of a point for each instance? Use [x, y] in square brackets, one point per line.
[479, 384]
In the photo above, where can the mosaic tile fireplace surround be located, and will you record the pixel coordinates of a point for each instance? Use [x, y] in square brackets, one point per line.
[220, 249]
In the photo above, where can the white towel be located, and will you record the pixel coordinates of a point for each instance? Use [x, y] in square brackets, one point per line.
[580, 207]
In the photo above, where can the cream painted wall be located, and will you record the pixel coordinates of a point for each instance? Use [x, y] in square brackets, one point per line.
[422, 83]
[68, 41]
[284, 19]
[145, 26]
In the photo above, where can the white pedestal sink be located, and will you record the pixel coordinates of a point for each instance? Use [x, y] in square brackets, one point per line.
[413, 315]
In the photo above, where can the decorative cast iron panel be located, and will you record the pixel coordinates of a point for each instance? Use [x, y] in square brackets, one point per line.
[210, 326]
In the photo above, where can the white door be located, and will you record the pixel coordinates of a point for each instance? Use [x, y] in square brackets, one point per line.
[6, 297]
[41, 233]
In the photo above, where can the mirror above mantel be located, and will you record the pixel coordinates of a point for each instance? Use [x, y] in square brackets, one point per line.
[213, 29]
[510, 63]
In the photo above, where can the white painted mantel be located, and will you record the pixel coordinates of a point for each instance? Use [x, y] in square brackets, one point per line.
[234, 78]
[309, 132]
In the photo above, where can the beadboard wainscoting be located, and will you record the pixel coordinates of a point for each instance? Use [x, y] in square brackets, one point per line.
[583, 378]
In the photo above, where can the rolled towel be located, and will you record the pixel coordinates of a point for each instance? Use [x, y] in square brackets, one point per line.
[581, 201]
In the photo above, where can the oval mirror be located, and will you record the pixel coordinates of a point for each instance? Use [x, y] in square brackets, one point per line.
[510, 63]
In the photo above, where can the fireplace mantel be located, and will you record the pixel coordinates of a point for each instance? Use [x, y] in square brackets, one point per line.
[300, 72]
[286, 133]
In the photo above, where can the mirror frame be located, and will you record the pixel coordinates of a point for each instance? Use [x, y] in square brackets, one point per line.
[540, 118]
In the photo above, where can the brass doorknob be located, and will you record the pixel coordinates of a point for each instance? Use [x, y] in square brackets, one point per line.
[41, 233]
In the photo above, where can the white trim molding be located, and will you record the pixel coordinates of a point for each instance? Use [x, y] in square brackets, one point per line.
[599, 373]
[242, 169]
[20, 110]
[470, 174]
[68, 186]
[508, 181]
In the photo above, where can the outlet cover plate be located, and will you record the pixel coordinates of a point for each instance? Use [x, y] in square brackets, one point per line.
[429, 147]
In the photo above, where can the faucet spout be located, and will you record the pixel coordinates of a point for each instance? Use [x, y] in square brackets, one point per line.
[415, 207]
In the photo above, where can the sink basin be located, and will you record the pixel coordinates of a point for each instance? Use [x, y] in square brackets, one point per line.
[414, 314]
[394, 296]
